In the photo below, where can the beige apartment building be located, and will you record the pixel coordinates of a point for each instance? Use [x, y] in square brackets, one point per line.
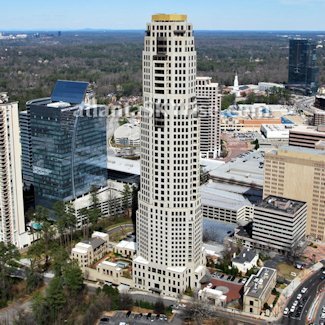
[89, 251]
[299, 174]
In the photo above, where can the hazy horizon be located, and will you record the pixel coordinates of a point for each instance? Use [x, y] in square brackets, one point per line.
[235, 15]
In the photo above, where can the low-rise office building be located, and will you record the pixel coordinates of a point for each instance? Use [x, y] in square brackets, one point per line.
[257, 290]
[273, 131]
[306, 136]
[318, 117]
[279, 224]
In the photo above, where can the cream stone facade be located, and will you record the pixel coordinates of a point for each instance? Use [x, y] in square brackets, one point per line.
[209, 105]
[12, 221]
[169, 220]
[88, 251]
[258, 289]
[299, 174]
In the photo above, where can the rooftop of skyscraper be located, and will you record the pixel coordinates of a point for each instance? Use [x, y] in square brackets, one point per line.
[169, 17]
[301, 150]
[281, 204]
[320, 129]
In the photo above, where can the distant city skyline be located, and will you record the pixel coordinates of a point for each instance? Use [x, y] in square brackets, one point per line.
[300, 15]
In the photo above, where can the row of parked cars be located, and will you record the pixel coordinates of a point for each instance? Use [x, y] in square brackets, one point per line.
[227, 277]
[149, 316]
[298, 305]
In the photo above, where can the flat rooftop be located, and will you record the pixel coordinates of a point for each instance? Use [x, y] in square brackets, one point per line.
[308, 129]
[123, 165]
[247, 169]
[169, 17]
[228, 196]
[275, 127]
[302, 150]
[257, 283]
[133, 166]
[281, 204]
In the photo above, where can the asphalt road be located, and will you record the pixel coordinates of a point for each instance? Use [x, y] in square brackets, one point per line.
[242, 319]
[319, 312]
[313, 284]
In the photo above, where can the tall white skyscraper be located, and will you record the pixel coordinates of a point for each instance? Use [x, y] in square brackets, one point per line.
[209, 105]
[12, 223]
[169, 220]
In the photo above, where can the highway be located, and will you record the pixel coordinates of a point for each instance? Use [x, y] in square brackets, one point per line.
[313, 284]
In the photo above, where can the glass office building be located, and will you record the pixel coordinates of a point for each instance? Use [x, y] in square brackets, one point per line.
[303, 69]
[69, 146]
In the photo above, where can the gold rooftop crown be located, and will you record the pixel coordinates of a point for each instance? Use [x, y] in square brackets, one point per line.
[169, 17]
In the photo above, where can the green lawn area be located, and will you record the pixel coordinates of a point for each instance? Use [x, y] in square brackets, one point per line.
[285, 270]
[124, 222]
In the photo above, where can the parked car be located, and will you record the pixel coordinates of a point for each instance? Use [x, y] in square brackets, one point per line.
[286, 311]
[304, 290]
[299, 296]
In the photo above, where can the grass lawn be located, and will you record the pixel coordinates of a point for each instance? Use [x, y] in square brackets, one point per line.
[285, 270]
[124, 222]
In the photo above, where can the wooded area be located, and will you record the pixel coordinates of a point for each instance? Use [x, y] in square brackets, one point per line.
[112, 60]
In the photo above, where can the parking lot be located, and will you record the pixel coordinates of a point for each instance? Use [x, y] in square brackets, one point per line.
[230, 278]
[129, 318]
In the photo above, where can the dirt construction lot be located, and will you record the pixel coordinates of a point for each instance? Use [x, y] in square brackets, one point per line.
[235, 146]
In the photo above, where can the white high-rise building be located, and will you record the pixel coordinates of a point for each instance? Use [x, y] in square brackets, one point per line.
[169, 257]
[209, 105]
[12, 223]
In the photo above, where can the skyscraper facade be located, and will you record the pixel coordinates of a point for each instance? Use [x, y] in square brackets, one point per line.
[12, 222]
[26, 146]
[209, 106]
[69, 145]
[298, 173]
[303, 69]
[169, 220]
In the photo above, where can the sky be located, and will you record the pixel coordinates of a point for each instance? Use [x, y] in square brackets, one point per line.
[133, 14]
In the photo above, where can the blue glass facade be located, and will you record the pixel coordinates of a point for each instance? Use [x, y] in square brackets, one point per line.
[303, 69]
[69, 150]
